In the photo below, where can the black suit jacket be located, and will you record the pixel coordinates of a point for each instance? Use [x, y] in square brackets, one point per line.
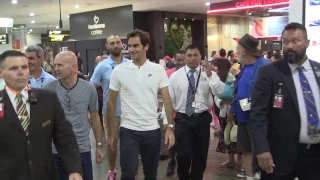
[30, 157]
[276, 130]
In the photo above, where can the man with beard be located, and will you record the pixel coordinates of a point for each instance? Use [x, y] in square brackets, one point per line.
[101, 77]
[285, 112]
[250, 57]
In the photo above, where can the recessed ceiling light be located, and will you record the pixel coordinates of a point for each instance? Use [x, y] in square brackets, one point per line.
[192, 19]
[184, 19]
[30, 30]
[175, 18]
[76, 6]
[31, 14]
[166, 18]
[32, 21]
[57, 27]
[250, 13]
[14, 1]
[208, 4]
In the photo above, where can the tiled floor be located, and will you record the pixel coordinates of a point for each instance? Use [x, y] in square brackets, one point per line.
[213, 171]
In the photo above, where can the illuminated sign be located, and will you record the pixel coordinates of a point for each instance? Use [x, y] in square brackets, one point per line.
[58, 36]
[6, 22]
[4, 39]
[245, 4]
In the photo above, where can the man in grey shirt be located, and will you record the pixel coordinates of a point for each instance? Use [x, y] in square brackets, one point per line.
[77, 97]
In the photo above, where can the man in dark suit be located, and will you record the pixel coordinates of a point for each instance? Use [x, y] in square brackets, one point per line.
[285, 112]
[29, 120]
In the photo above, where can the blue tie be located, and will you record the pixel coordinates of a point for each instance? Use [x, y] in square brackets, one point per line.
[191, 96]
[312, 113]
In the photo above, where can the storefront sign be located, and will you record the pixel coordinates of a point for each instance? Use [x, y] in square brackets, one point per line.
[58, 36]
[245, 4]
[4, 39]
[102, 23]
[6, 22]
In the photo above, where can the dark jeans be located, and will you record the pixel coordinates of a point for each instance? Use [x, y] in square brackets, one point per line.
[86, 166]
[148, 144]
[192, 143]
[306, 166]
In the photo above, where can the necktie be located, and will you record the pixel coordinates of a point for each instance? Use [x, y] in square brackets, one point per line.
[312, 113]
[190, 96]
[22, 113]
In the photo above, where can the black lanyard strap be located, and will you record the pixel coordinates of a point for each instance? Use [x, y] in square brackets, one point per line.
[194, 90]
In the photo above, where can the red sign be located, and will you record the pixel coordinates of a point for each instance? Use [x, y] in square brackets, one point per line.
[16, 45]
[244, 3]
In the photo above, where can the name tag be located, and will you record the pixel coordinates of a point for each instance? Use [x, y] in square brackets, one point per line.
[196, 105]
[278, 101]
[1, 110]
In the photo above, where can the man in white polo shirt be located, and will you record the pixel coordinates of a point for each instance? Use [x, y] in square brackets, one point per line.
[139, 82]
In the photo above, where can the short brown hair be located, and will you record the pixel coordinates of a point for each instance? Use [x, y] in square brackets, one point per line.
[144, 36]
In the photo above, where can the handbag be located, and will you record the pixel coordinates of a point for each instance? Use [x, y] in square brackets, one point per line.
[228, 93]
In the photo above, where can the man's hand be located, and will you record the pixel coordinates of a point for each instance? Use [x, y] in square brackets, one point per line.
[230, 118]
[169, 138]
[207, 67]
[75, 176]
[111, 142]
[99, 155]
[266, 162]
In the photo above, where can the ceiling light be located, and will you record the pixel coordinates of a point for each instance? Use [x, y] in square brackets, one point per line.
[57, 27]
[207, 4]
[166, 18]
[184, 19]
[31, 14]
[14, 1]
[192, 19]
[30, 30]
[76, 6]
[175, 18]
[250, 13]
[32, 21]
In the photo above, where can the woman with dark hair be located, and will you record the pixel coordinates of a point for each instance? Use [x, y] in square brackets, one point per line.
[229, 55]
[222, 67]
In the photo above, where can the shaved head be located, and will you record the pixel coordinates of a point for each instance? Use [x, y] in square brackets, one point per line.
[114, 45]
[66, 65]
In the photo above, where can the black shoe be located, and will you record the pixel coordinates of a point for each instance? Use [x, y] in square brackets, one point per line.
[171, 167]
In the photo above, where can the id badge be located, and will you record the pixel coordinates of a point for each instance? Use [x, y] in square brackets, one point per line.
[278, 101]
[1, 110]
[245, 104]
[196, 105]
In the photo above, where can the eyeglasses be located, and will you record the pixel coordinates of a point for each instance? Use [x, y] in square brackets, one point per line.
[68, 102]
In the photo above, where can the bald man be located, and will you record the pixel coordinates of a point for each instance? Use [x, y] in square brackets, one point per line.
[77, 97]
[101, 77]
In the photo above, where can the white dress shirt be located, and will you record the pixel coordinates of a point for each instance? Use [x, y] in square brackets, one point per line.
[308, 72]
[2, 84]
[25, 97]
[178, 90]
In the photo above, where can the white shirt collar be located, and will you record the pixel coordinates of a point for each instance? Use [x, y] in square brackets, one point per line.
[13, 95]
[188, 69]
[306, 65]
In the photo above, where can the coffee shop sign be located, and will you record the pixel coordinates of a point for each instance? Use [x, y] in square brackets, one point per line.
[96, 28]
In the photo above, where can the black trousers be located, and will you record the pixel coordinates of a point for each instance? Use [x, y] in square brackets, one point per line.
[148, 144]
[192, 143]
[306, 166]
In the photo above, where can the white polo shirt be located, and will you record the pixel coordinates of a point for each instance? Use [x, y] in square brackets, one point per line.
[138, 88]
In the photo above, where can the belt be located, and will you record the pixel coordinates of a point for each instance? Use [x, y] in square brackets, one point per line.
[195, 115]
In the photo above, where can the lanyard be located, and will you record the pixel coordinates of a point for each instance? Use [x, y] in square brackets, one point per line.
[194, 90]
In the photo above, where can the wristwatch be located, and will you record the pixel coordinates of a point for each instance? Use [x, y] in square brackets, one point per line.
[100, 144]
[170, 126]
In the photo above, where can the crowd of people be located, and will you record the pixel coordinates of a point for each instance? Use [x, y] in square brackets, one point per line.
[272, 103]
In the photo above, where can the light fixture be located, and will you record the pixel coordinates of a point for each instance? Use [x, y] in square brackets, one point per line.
[57, 27]
[283, 9]
[77, 6]
[166, 18]
[30, 30]
[33, 21]
[31, 14]
[184, 19]
[175, 18]
[14, 1]
[250, 13]
[192, 19]
[207, 3]
[68, 16]
[248, 7]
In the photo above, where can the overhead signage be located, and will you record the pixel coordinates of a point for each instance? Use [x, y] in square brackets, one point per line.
[6, 22]
[58, 36]
[101, 23]
[4, 39]
[312, 24]
[245, 4]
